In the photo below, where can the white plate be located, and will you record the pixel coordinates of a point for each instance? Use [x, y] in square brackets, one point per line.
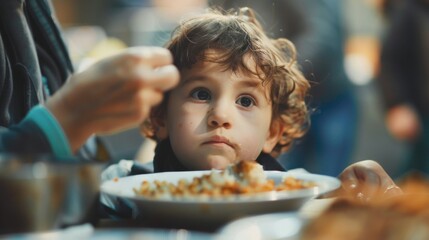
[116, 194]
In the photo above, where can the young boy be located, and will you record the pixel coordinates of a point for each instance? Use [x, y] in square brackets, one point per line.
[241, 97]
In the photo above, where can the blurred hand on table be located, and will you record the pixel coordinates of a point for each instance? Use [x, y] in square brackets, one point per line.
[366, 180]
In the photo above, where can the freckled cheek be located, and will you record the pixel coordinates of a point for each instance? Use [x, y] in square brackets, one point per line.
[183, 128]
[178, 120]
[187, 119]
[178, 135]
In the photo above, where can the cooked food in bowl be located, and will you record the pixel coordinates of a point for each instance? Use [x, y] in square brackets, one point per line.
[245, 177]
[132, 195]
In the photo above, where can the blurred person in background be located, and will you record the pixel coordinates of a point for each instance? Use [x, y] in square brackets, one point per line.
[44, 108]
[316, 28]
[404, 78]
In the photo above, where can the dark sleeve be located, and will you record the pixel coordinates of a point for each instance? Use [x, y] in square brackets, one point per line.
[25, 127]
[16, 137]
[398, 55]
[39, 132]
[24, 138]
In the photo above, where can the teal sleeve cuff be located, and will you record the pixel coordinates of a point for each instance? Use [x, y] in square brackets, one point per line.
[52, 129]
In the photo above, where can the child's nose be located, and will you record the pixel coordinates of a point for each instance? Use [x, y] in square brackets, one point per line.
[218, 117]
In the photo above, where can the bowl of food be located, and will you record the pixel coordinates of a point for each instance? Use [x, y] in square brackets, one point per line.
[41, 193]
[212, 198]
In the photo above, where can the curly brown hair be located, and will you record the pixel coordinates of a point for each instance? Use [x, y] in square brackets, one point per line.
[235, 34]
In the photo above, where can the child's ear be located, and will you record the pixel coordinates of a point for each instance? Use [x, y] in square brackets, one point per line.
[274, 136]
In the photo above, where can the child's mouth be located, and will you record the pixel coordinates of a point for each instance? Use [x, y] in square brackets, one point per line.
[219, 141]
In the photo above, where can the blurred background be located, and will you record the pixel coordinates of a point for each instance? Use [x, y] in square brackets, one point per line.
[97, 28]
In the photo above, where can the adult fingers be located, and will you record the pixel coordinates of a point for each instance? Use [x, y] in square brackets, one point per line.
[162, 78]
[151, 66]
[349, 181]
[163, 74]
[366, 179]
[152, 56]
[131, 101]
[132, 60]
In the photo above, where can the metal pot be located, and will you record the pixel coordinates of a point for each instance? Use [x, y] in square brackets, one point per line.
[40, 193]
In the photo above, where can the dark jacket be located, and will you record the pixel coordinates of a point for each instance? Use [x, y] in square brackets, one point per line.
[31, 50]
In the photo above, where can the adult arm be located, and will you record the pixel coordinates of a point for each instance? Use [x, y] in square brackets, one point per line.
[25, 126]
[399, 79]
[114, 94]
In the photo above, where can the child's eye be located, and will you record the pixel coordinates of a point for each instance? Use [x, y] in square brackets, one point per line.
[201, 94]
[245, 101]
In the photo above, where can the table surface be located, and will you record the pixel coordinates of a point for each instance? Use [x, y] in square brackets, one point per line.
[309, 210]
[109, 228]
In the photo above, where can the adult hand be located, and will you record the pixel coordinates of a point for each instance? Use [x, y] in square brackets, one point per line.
[365, 180]
[113, 94]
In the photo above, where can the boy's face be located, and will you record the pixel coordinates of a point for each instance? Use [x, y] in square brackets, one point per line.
[215, 117]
